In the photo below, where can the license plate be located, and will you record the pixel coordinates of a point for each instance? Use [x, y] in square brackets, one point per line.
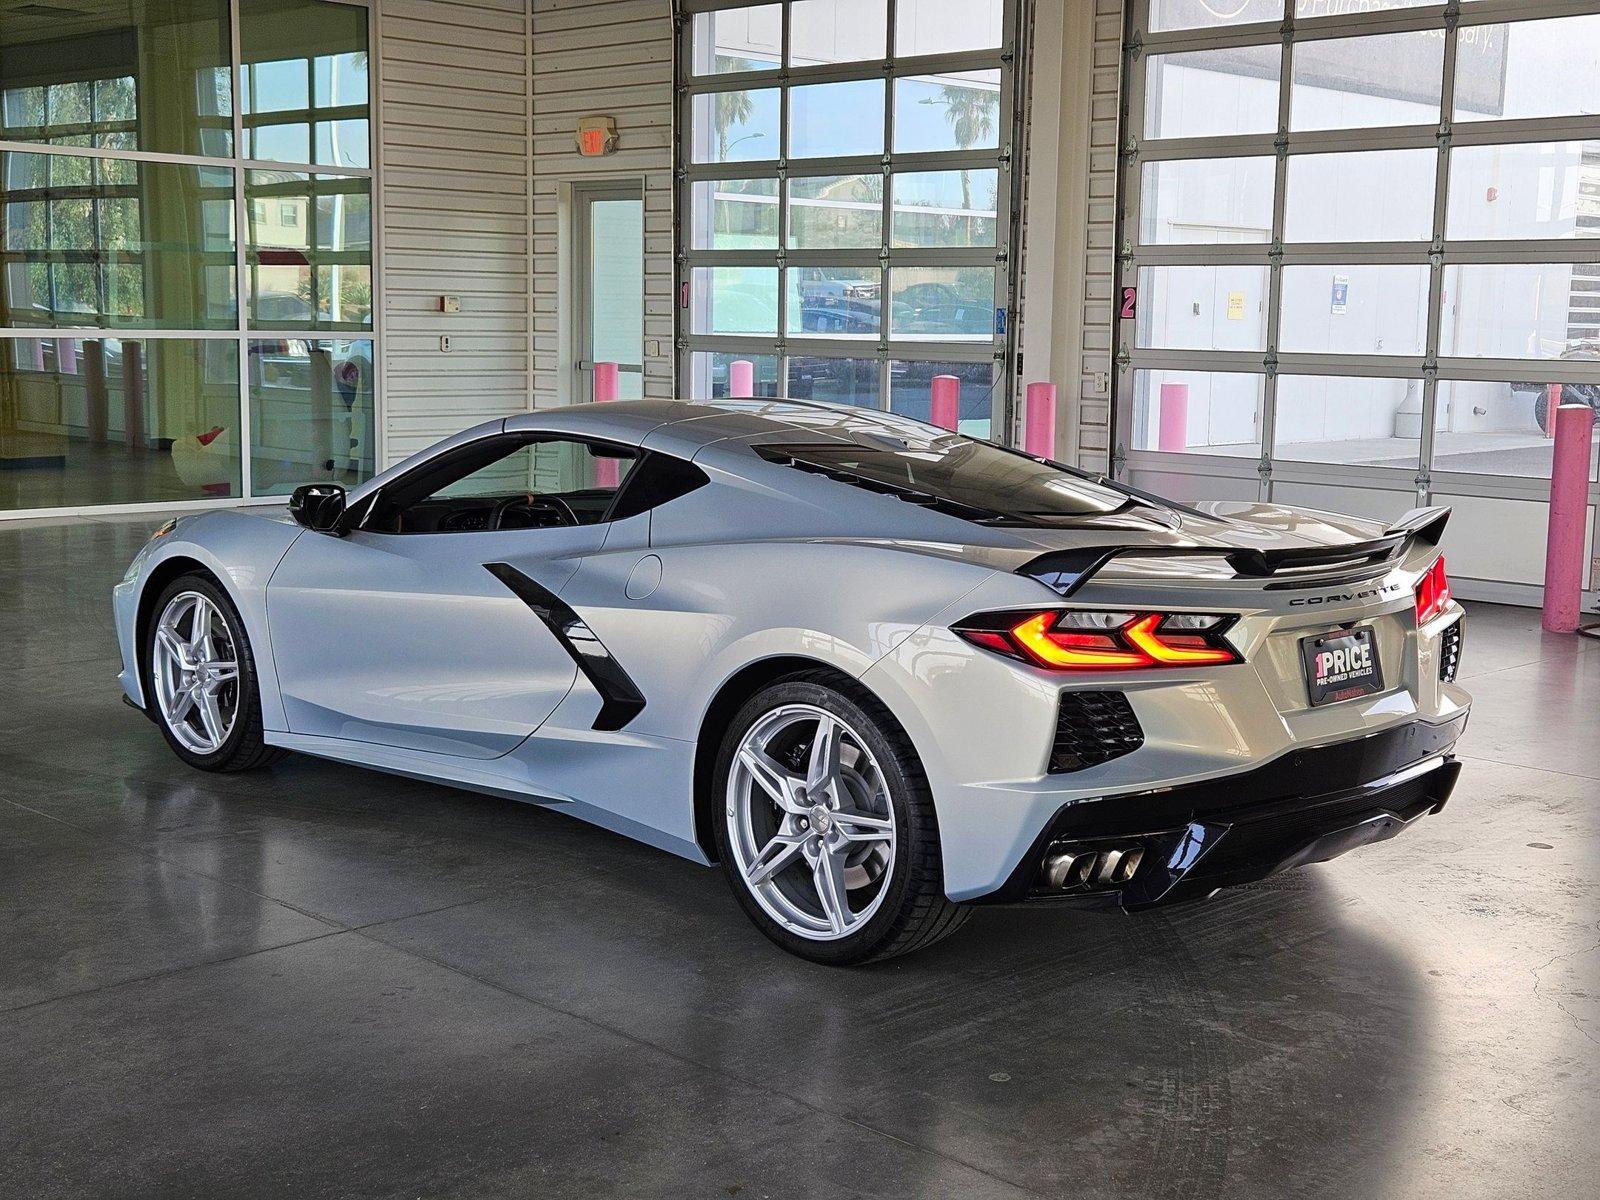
[1341, 666]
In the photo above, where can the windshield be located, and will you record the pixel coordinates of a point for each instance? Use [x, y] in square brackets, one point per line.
[1001, 484]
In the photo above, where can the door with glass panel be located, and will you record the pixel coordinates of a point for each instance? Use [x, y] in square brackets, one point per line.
[1358, 263]
[846, 216]
[608, 235]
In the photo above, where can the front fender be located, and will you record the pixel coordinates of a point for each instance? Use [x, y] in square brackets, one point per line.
[241, 550]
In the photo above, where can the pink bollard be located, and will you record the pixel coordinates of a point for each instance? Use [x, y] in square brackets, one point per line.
[946, 401]
[1552, 392]
[1173, 433]
[741, 379]
[1569, 513]
[607, 383]
[66, 356]
[35, 352]
[1039, 428]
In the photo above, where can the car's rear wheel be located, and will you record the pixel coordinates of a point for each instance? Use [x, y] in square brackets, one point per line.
[826, 828]
[200, 677]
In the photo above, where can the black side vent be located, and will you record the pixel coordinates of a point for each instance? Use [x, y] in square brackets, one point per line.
[1450, 652]
[1092, 728]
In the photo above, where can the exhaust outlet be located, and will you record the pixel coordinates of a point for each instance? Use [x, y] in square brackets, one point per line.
[1069, 870]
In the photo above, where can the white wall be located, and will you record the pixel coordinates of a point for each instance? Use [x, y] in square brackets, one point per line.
[454, 212]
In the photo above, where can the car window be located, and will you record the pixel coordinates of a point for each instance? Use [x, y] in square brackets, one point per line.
[978, 478]
[507, 483]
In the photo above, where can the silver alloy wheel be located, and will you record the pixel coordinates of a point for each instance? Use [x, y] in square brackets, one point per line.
[810, 822]
[195, 672]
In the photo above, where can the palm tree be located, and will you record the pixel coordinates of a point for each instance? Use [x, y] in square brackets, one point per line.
[729, 109]
[971, 113]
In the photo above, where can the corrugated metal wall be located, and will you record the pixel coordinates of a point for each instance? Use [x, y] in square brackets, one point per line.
[605, 58]
[454, 140]
[1099, 232]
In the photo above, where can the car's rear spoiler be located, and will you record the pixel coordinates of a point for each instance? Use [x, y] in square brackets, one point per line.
[1065, 571]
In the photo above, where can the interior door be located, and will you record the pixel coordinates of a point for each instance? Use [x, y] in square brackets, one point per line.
[406, 637]
[608, 228]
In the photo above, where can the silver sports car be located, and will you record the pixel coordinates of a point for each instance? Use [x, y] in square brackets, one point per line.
[880, 671]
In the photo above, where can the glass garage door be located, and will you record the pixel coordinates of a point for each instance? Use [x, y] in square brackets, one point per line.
[846, 200]
[1358, 257]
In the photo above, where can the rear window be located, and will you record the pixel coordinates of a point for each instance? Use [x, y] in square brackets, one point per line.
[981, 480]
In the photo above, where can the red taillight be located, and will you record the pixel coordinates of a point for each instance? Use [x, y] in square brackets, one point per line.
[1433, 592]
[1101, 641]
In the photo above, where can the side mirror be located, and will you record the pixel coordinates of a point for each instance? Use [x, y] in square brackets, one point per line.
[317, 506]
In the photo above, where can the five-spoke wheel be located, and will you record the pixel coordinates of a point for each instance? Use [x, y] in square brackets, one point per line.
[826, 829]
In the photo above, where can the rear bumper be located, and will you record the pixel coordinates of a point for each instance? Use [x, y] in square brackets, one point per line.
[1308, 805]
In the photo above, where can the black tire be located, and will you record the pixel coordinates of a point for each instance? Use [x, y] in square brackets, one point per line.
[914, 912]
[1541, 410]
[245, 748]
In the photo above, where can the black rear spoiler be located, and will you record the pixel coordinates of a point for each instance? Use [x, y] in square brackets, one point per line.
[1065, 571]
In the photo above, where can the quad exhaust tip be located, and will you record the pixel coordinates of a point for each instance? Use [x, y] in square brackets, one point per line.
[1069, 870]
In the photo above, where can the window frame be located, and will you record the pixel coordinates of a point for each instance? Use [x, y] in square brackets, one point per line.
[1004, 258]
[1436, 253]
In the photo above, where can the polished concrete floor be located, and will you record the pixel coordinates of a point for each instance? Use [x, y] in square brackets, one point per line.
[321, 982]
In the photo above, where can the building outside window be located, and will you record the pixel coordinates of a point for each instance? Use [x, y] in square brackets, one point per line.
[186, 276]
[845, 207]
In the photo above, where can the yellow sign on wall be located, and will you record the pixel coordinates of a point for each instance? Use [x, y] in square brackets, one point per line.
[1235, 306]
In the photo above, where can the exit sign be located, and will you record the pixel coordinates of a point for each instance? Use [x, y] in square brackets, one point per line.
[597, 136]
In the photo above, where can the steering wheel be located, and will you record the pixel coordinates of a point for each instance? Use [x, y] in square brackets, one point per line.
[533, 512]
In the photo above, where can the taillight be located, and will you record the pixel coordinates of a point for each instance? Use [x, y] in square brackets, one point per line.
[1078, 640]
[1433, 592]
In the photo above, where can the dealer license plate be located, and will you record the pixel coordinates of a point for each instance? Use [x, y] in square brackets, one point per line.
[1341, 666]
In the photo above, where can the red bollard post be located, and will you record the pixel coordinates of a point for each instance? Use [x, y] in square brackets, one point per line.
[1039, 429]
[1172, 434]
[1569, 513]
[1552, 401]
[741, 379]
[607, 381]
[946, 401]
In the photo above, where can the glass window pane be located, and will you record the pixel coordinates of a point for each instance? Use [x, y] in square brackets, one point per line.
[1362, 82]
[945, 303]
[946, 208]
[155, 251]
[108, 74]
[736, 126]
[1355, 310]
[1496, 428]
[311, 414]
[1206, 200]
[946, 26]
[836, 380]
[834, 212]
[1202, 308]
[117, 421]
[1209, 14]
[1528, 190]
[305, 87]
[733, 300]
[911, 392]
[738, 39]
[1203, 412]
[834, 120]
[554, 466]
[1376, 196]
[835, 31]
[734, 214]
[835, 301]
[309, 251]
[947, 112]
[1520, 310]
[711, 374]
[1349, 420]
[1528, 69]
[1212, 93]
[615, 268]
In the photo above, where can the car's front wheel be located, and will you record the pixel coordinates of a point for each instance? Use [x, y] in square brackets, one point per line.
[200, 676]
[826, 828]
